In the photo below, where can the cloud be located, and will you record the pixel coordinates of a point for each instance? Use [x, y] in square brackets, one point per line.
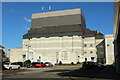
[26, 19]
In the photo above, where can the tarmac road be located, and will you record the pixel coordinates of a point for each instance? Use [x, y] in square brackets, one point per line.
[64, 73]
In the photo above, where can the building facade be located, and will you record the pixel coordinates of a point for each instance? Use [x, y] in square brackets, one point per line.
[117, 35]
[109, 49]
[62, 36]
[17, 55]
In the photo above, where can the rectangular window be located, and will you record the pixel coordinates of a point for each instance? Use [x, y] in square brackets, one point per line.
[92, 58]
[91, 51]
[91, 45]
[85, 45]
[64, 55]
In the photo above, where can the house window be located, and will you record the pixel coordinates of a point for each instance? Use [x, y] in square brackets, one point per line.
[23, 56]
[46, 37]
[85, 52]
[70, 36]
[91, 51]
[91, 45]
[101, 46]
[100, 52]
[92, 58]
[85, 59]
[64, 55]
[85, 45]
[60, 36]
[108, 45]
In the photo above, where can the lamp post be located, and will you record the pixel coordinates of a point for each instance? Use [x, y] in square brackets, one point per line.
[57, 57]
[78, 58]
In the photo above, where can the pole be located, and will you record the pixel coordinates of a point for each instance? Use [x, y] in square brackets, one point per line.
[57, 56]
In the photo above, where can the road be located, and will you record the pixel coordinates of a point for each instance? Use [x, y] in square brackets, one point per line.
[62, 73]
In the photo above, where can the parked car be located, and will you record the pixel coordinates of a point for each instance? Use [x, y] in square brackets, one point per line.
[92, 65]
[10, 65]
[48, 64]
[38, 64]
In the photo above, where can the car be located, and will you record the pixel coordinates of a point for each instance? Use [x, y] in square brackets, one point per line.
[38, 64]
[48, 64]
[11, 66]
[92, 65]
[100, 65]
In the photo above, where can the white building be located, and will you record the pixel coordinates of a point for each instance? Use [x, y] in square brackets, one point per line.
[109, 49]
[61, 36]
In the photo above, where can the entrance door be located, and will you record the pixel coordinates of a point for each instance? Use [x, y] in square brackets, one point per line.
[30, 55]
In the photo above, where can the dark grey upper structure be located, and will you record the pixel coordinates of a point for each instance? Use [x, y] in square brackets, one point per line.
[58, 18]
[60, 23]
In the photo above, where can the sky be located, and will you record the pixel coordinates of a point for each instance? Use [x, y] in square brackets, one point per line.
[16, 17]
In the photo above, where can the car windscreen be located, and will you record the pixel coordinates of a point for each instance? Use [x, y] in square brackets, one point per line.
[47, 62]
[6, 63]
[13, 63]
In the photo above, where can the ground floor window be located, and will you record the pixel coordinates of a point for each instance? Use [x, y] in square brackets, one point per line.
[64, 55]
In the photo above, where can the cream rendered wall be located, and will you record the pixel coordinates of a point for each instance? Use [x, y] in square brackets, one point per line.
[87, 50]
[16, 55]
[109, 49]
[48, 48]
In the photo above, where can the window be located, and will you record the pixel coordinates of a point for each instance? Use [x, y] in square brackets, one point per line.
[91, 51]
[108, 45]
[60, 36]
[70, 36]
[100, 52]
[23, 56]
[91, 45]
[85, 52]
[85, 59]
[46, 37]
[64, 55]
[92, 58]
[101, 46]
[85, 45]
[13, 63]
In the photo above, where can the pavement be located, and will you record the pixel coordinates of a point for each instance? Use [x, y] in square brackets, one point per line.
[61, 73]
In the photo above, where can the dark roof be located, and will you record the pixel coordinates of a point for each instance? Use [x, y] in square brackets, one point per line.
[55, 31]
[98, 34]
[66, 30]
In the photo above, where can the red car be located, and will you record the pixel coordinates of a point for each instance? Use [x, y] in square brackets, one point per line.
[39, 64]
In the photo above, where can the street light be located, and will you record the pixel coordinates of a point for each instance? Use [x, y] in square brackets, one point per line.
[57, 57]
[78, 58]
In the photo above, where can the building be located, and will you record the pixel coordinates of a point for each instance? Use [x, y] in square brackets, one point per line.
[2, 52]
[3, 57]
[17, 55]
[109, 49]
[62, 36]
[117, 35]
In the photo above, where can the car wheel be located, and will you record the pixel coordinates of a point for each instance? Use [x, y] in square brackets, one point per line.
[10, 68]
[18, 67]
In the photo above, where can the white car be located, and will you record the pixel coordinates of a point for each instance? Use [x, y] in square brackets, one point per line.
[48, 64]
[11, 66]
